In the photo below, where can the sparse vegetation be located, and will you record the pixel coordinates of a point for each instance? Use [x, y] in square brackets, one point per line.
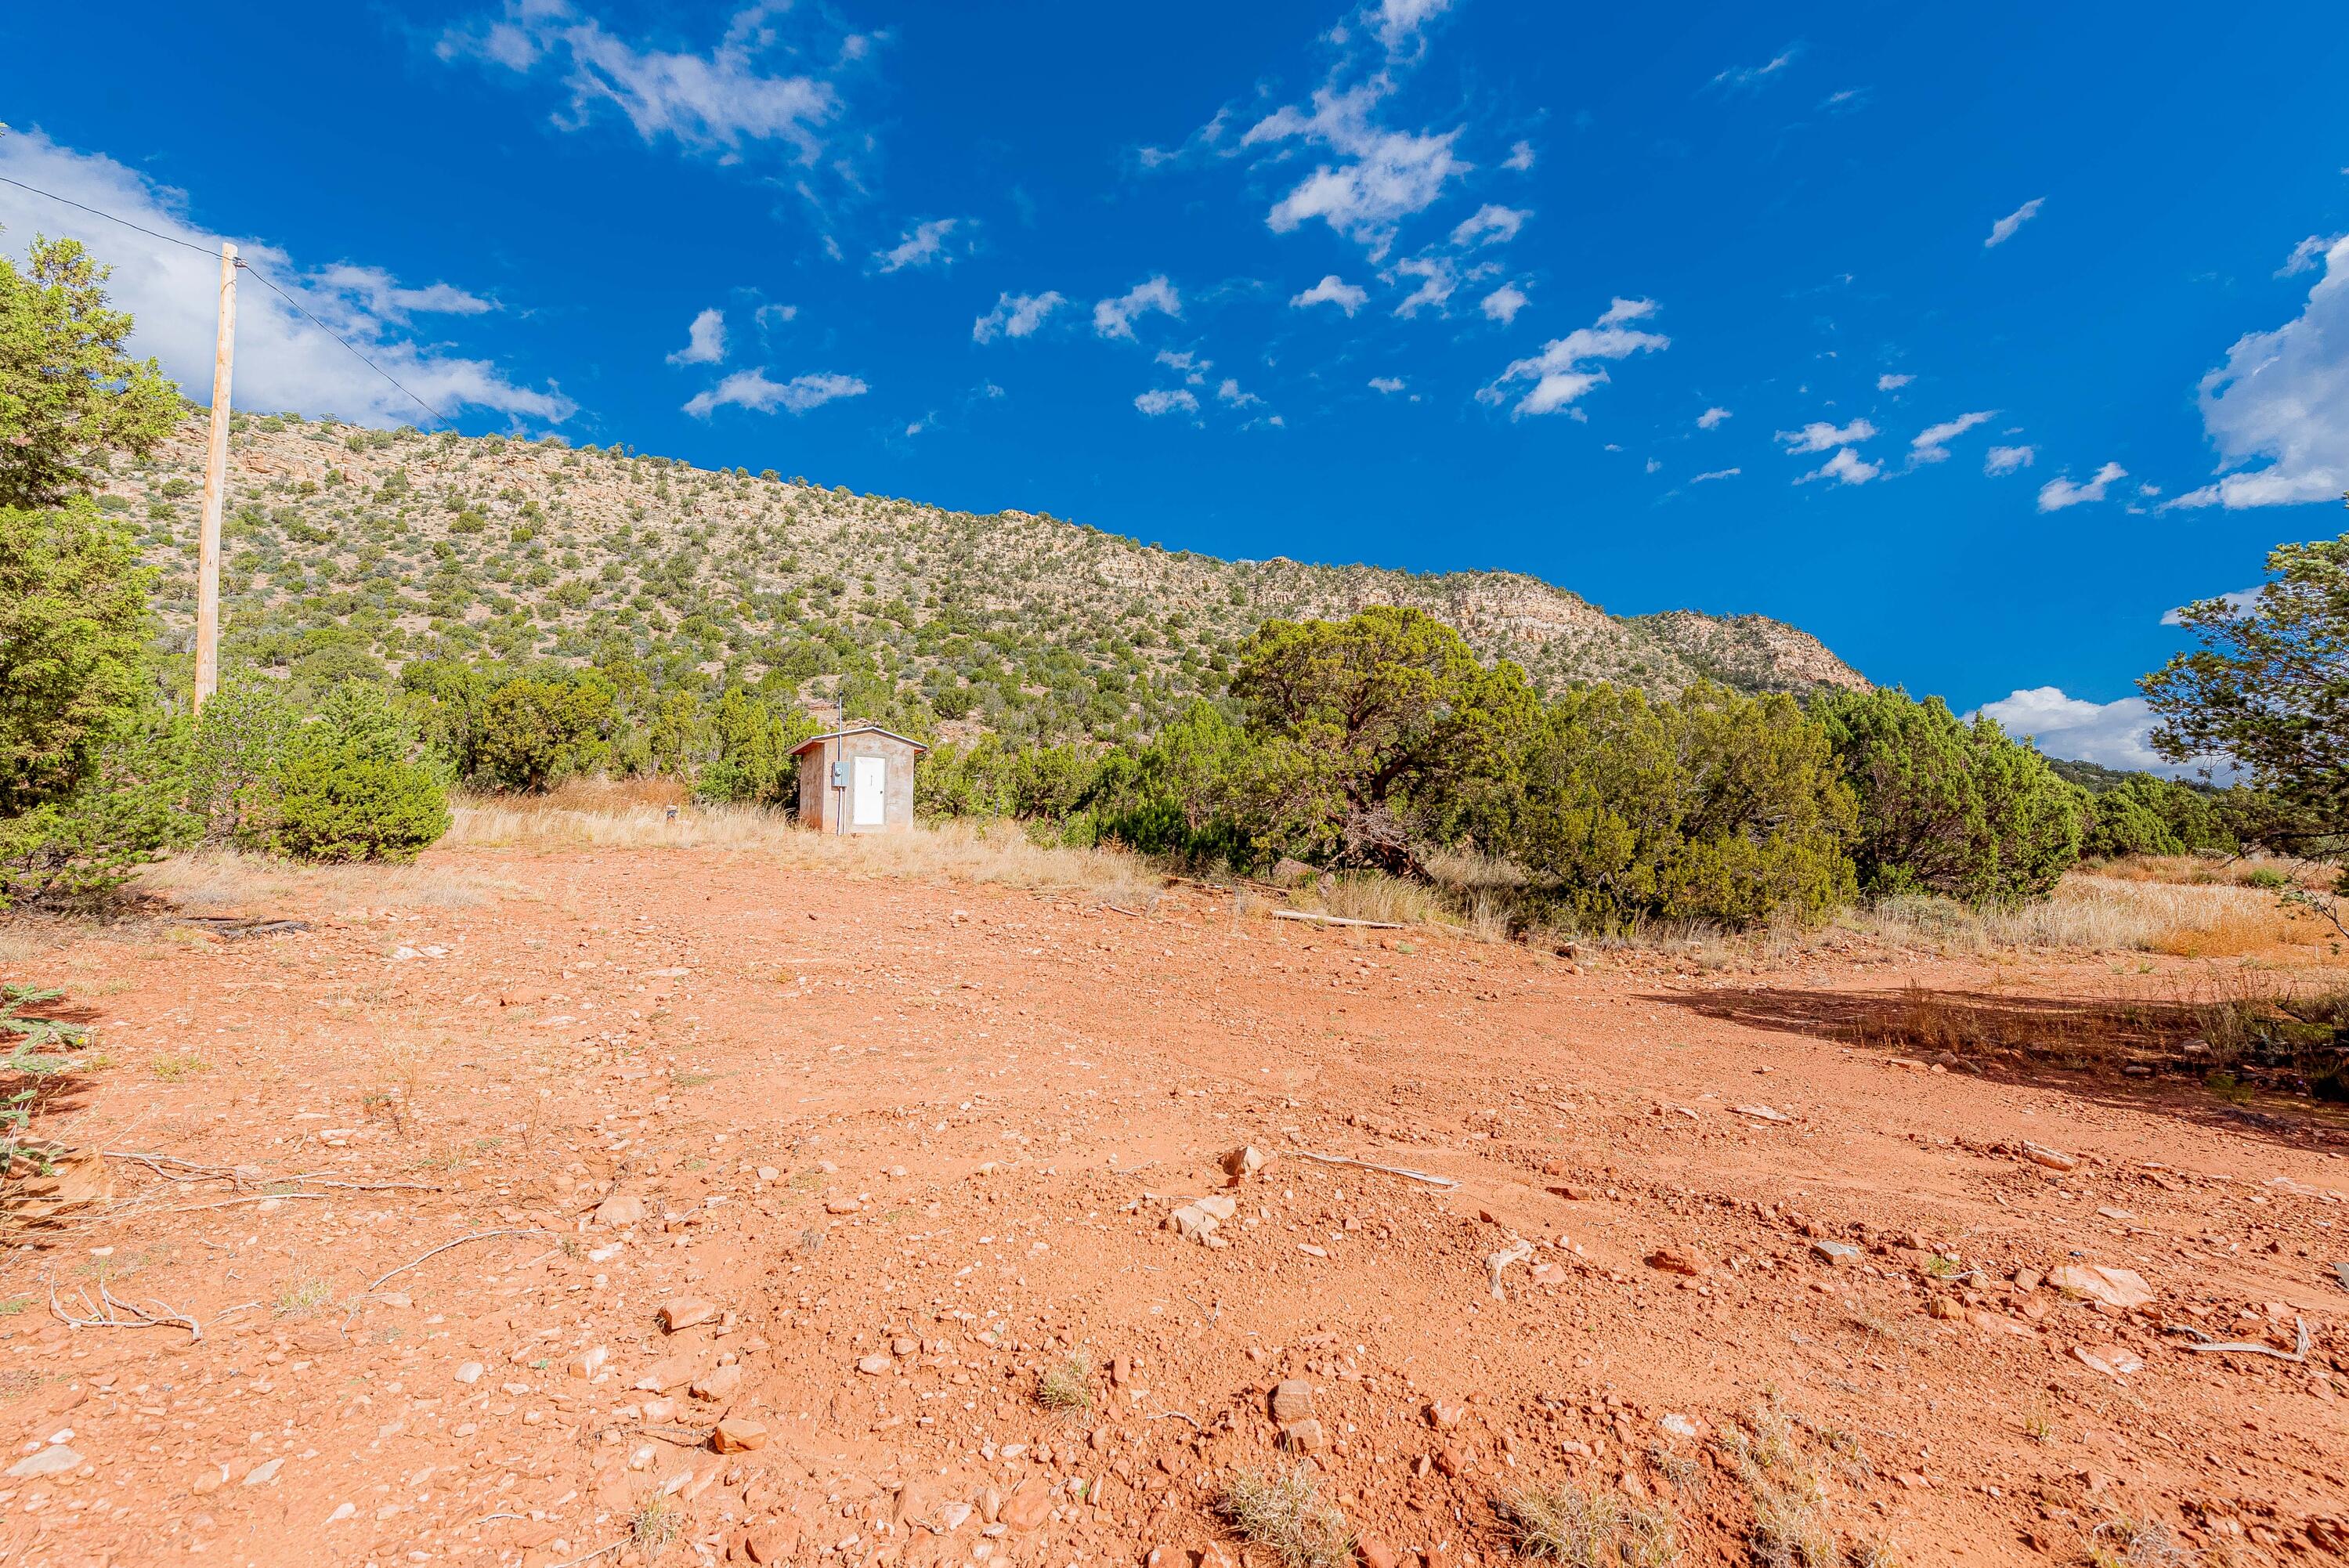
[1283, 1512]
[1590, 1529]
[655, 1522]
[1066, 1385]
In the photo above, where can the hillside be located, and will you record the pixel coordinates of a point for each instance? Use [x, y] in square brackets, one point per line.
[351, 551]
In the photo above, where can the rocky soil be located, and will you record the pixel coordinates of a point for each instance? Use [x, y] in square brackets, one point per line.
[671, 1206]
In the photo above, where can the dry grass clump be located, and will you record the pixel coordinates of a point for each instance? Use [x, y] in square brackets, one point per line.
[1284, 1514]
[2102, 912]
[1790, 1522]
[2217, 871]
[1066, 1385]
[996, 852]
[1599, 1529]
[226, 880]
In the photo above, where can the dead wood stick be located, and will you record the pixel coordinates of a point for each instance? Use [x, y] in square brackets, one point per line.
[476, 1237]
[248, 1198]
[106, 1317]
[2204, 1342]
[1337, 919]
[1122, 910]
[599, 1552]
[1366, 1165]
[1176, 1415]
[201, 1173]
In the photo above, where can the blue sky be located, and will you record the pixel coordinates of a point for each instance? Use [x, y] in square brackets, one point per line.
[1970, 339]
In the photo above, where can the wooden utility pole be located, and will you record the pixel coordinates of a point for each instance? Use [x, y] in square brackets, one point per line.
[208, 547]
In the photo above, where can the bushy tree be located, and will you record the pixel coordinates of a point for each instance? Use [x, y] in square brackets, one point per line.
[2269, 688]
[68, 389]
[1712, 807]
[237, 758]
[1383, 730]
[74, 630]
[2144, 815]
[124, 814]
[537, 730]
[748, 757]
[351, 787]
[1947, 807]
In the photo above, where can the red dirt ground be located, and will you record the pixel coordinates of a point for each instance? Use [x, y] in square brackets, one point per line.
[913, 1145]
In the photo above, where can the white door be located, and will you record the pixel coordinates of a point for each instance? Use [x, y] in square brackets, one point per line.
[869, 807]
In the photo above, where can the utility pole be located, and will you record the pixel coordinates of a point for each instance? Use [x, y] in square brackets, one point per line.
[208, 547]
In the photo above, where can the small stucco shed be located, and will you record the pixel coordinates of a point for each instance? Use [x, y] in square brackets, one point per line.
[859, 779]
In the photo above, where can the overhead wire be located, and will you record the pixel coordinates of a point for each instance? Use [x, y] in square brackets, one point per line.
[259, 276]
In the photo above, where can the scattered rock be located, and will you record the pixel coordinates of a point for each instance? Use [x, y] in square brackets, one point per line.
[1761, 1112]
[1834, 1252]
[1943, 1306]
[264, 1473]
[2053, 1158]
[875, 1366]
[1303, 1438]
[1679, 1426]
[1576, 1192]
[2114, 1287]
[717, 1383]
[738, 1434]
[1549, 1274]
[1243, 1162]
[841, 1206]
[1029, 1504]
[1445, 1417]
[619, 1211]
[669, 1372]
[684, 1313]
[55, 1459]
[1678, 1261]
[1376, 1554]
[1292, 1400]
[2027, 1280]
[2112, 1360]
[471, 1372]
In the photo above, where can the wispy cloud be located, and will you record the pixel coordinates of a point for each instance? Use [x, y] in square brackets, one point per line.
[1566, 368]
[1846, 466]
[1503, 303]
[2058, 493]
[1389, 385]
[2003, 230]
[1231, 392]
[1015, 315]
[1333, 290]
[1745, 79]
[1712, 474]
[2239, 602]
[1380, 176]
[1520, 158]
[1931, 445]
[1398, 23]
[2283, 395]
[283, 360]
[2001, 461]
[704, 340]
[1711, 418]
[753, 389]
[1819, 435]
[1491, 224]
[1115, 317]
[921, 245]
[1890, 382]
[2112, 733]
[2308, 256]
[1159, 400]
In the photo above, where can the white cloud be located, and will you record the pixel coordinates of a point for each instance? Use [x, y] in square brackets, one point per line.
[1655, 464]
[1158, 401]
[1563, 371]
[1503, 303]
[1333, 290]
[2113, 734]
[1711, 419]
[1818, 436]
[2285, 396]
[1710, 475]
[2007, 460]
[753, 390]
[2306, 255]
[1491, 224]
[1398, 22]
[1889, 382]
[2003, 230]
[1115, 317]
[1931, 445]
[2058, 493]
[1741, 77]
[704, 340]
[921, 244]
[715, 102]
[1387, 384]
[1520, 158]
[1229, 392]
[1846, 466]
[283, 361]
[1015, 315]
[1439, 276]
[1381, 177]
[2239, 602]
[1192, 368]
[772, 315]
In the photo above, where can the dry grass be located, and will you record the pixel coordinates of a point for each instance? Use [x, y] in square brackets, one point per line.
[2099, 911]
[219, 880]
[1790, 1523]
[1066, 1385]
[1599, 1529]
[1285, 1515]
[994, 853]
[2261, 872]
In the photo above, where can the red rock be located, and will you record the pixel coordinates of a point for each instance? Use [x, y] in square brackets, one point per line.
[1450, 1462]
[1029, 1504]
[738, 1434]
[1444, 1417]
[1678, 1260]
[684, 1313]
[667, 1373]
[1376, 1554]
[1169, 1556]
[717, 1383]
[1292, 1400]
[775, 1541]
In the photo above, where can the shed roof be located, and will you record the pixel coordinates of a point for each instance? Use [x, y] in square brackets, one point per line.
[815, 740]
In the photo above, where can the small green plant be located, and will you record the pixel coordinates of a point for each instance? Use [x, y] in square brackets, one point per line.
[35, 1030]
[2267, 877]
[1284, 1514]
[175, 1068]
[1599, 1529]
[2228, 1086]
[305, 1294]
[655, 1524]
[1067, 1385]
[14, 1305]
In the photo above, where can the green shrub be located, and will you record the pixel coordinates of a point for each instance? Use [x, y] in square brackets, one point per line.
[749, 759]
[74, 627]
[1947, 807]
[2143, 815]
[537, 730]
[349, 789]
[236, 758]
[125, 813]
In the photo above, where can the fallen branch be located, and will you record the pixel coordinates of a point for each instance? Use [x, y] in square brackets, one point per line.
[104, 1317]
[248, 1198]
[247, 1178]
[2207, 1343]
[599, 1552]
[1122, 910]
[683, 1436]
[1176, 1415]
[1445, 1182]
[489, 1517]
[1337, 919]
[375, 1285]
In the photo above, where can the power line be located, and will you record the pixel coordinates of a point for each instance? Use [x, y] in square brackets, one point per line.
[260, 277]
